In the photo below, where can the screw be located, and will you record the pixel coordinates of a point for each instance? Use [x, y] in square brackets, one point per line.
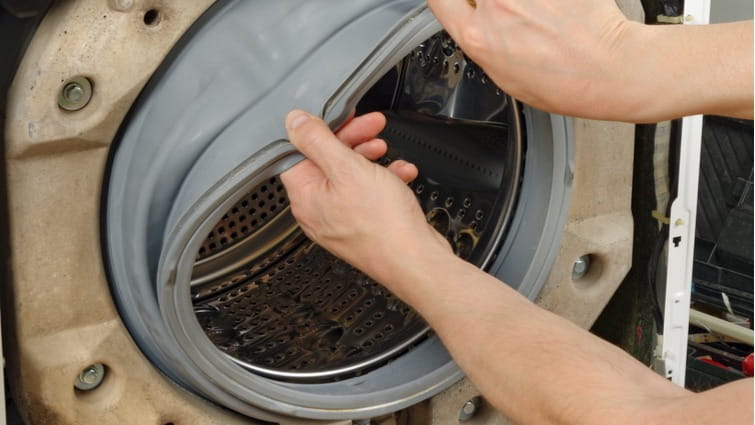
[122, 5]
[75, 94]
[580, 267]
[469, 409]
[90, 377]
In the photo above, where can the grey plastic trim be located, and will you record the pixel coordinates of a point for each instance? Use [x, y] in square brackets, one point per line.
[525, 259]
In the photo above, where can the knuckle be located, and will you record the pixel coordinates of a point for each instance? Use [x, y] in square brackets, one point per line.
[296, 209]
[309, 133]
[347, 168]
[302, 213]
[287, 178]
[293, 179]
[498, 4]
[473, 39]
[305, 133]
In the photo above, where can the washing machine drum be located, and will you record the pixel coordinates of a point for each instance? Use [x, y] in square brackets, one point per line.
[215, 281]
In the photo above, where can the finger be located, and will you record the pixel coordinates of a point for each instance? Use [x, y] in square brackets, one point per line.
[300, 176]
[351, 116]
[406, 171]
[372, 149]
[452, 14]
[362, 129]
[312, 137]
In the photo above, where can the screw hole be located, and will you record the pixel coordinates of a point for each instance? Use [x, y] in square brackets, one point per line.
[152, 17]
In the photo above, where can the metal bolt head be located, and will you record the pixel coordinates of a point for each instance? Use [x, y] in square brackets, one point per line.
[90, 377]
[121, 5]
[581, 267]
[75, 94]
[469, 409]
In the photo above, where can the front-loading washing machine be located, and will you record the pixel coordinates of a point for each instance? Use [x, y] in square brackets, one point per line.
[157, 275]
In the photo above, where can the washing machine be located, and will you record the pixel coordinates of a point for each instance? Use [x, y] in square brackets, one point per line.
[156, 275]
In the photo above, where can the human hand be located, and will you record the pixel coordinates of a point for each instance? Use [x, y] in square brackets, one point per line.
[560, 56]
[361, 212]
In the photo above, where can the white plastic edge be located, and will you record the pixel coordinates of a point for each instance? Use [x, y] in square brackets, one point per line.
[682, 231]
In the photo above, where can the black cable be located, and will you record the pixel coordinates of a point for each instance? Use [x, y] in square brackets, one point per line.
[652, 274]
[673, 174]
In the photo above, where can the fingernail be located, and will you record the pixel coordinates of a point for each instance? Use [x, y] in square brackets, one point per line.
[296, 119]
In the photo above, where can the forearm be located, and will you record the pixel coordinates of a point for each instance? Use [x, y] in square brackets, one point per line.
[532, 365]
[678, 70]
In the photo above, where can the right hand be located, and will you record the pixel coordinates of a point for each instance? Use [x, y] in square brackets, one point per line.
[560, 56]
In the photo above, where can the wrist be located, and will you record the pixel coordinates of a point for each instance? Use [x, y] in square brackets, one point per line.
[668, 71]
[412, 270]
[627, 84]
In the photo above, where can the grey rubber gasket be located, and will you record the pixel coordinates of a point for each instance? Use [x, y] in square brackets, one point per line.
[169, 181]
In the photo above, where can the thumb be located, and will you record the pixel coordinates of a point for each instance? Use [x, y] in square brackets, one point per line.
[312, 137]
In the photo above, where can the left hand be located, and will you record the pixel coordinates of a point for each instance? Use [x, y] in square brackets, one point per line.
[363, 213]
